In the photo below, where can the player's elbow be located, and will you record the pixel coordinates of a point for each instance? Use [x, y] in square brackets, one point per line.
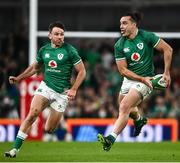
[168, 52]
[83, 73]
[36, 68]
[168, 49]
[123, 72]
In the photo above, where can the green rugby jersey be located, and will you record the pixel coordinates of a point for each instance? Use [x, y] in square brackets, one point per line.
[138, 52]
[58, 65]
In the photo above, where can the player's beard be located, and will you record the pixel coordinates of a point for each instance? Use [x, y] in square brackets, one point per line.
[126, 33]
[58, 43]
[123, 32]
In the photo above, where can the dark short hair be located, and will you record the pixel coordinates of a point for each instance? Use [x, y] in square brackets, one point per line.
[56, 24]
[135, 16]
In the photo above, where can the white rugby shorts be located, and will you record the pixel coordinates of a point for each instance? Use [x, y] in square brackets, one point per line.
[57, 101]
[142, 88]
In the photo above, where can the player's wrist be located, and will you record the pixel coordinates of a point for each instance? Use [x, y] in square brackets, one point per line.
[166, 72]
[142, 79]
[74, 89]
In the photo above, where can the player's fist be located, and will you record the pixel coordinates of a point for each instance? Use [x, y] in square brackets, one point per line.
[13, 80]
[147, 81]
[71, 94]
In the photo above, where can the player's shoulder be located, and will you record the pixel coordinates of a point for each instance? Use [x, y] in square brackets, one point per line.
[45, 47]
[120, 42]
[149, 37]
[144, 33]
[67, 45]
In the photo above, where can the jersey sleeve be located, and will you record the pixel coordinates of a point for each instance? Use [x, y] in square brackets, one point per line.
[118, 50]
[39, 58]
[153, 39]
[75, 56]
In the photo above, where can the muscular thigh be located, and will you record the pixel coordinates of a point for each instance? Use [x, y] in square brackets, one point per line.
[120, 97]
[38, 104]
[131, 99]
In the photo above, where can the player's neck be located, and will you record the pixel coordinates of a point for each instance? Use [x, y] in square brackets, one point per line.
[56, 46]
[134, 33]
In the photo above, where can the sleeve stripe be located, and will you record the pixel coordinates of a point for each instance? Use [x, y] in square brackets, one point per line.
[77, 62]
[156, 43]
[119, 59]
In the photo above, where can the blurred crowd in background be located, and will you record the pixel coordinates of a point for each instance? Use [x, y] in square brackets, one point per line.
[98, 96]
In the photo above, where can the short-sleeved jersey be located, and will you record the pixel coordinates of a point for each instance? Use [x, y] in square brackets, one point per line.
[138, 52]
[58, 65]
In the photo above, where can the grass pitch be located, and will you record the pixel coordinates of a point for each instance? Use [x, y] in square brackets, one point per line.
[92, 152]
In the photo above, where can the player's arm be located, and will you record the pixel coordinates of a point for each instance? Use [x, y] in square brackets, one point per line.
[122, 67]
[167, 51]
[81, 73]
[31, 70]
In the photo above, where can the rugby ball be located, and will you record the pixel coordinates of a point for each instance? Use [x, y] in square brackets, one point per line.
[158, 82]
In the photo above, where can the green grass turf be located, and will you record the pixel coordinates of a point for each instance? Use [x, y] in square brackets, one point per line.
[92, 152]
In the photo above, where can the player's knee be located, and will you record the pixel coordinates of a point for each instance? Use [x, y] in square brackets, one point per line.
[124, 109]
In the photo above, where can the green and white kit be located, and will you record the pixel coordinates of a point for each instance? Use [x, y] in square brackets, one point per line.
[138, 53]
[58, 65]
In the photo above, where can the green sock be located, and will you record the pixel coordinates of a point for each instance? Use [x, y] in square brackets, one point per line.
[21, 136]
[18, 143]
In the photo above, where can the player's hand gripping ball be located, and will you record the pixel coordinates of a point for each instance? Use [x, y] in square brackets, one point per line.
[158, 82]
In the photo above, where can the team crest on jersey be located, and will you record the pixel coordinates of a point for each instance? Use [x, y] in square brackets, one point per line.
[52, 64]
[60, 56]
[135, 57]
[140, 46]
